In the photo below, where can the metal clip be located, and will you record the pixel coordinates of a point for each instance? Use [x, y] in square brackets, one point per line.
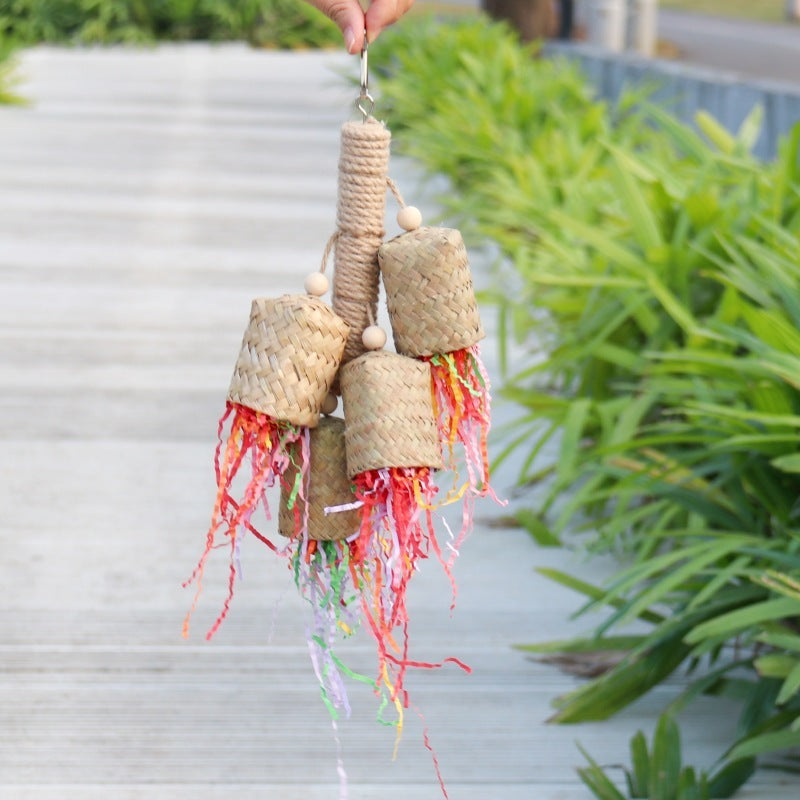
[365, 102]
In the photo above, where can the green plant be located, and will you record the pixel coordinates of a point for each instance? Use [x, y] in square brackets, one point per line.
[274, 23]
[657, 774]
[8, 75]
[652, 271]
[292, 24]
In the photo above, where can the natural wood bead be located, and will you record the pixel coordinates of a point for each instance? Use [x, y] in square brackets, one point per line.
[316, 284]
[329, 404]
[373, 337]
[409, 218]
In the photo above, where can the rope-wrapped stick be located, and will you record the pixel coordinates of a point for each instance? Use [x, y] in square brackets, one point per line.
[363, 175]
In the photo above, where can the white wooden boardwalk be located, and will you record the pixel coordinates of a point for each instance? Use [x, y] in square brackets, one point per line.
[145, 197]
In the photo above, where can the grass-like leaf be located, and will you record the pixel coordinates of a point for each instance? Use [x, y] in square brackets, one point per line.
[765, 743]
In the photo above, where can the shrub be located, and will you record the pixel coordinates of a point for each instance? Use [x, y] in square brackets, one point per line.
[8, 77]
[655, 284]
[273, 23]
[657, 773]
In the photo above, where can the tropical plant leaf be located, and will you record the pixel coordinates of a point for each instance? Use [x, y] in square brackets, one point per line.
[591, 591]
[639, 777]
[791, 686]
[765, 743]
[735, 621]
[731, 777]
[665, 766]
[537, 528]
[597, 781]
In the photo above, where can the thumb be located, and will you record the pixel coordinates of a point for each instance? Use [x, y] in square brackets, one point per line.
[349, 16]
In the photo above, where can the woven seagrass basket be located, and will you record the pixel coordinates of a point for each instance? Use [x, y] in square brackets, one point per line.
[429, 292]
[388, 413]
[290, 353]
[328, 485]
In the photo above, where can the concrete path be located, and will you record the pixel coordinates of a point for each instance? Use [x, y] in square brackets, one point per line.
[145, 197]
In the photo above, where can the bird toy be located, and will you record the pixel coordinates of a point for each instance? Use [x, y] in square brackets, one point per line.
[358, 496]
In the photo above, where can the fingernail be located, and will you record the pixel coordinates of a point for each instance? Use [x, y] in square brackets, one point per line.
[349, 40]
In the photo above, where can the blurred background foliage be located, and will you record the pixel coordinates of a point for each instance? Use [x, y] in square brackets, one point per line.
[288, 24]
[650, 292]
[263, 23]
[8, 75]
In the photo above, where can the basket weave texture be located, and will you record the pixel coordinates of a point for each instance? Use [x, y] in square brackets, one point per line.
[289, 357]
[328, 485]
[389, 413]
[429, 292]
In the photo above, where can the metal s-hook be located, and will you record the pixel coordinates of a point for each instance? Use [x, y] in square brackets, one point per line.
[365, 102]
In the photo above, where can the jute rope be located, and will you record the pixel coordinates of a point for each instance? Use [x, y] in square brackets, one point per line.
[395, 192]
[328, 485]
[363, 167]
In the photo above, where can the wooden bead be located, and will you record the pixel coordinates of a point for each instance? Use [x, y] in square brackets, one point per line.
[409, 218]
[329, 404]
[316, 284]
[373, 337]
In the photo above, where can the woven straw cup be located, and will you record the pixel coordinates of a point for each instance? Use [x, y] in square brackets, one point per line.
[429, 292]
[328, 485]
[389, 420]
[290, 353]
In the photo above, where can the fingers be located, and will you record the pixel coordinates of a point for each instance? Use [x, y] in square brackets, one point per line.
[350, 18]
[382, 13]
[347, 14]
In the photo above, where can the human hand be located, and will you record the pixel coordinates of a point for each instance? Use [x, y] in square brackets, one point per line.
[352, 20]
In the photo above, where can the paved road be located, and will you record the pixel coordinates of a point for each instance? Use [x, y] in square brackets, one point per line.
[752, 49]
[145, 197]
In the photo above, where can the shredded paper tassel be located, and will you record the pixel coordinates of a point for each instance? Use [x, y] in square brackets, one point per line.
[267, 447]
[396, 531]
[323, 577]
[462, 406]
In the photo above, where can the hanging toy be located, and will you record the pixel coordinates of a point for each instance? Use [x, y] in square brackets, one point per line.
[287, 364]
[356, 496]
[435, 318]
